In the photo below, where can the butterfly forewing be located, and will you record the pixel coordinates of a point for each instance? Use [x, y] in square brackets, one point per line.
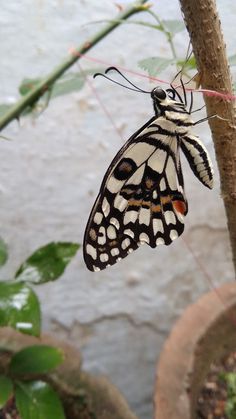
[141, 199]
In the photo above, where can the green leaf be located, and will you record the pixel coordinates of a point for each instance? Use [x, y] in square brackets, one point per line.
[37, 359]
[47, 263]
[37, 400]
[232, 60]
[6, 390]
[19, 308]
[174, 26]
[27, 85]
[187, 65]
[3, 252]
[67, 83]
[155, 65]
[230, 379]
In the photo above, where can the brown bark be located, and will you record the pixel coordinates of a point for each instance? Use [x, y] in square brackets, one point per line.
[203, 24]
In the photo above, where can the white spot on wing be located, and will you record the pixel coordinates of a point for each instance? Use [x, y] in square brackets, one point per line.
[125, 244]
[120, 203]
[102, 238]
[96, 268]
[144, 216]
[200, 166]
[157, 226]
[115, 251]
[143, 238]
[111, 232]
[98, 217]
[105, 207]
[129, 232]
[104, 257]
[198, 159]
[115, 222]
[203, 173]
[130, 216]
[91, 251]
[160, 240]
[173, 234]
[169, 217]
[162, 184]
[114, 185]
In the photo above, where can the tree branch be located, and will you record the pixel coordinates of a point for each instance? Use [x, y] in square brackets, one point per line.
[203, 23]
[29, 99]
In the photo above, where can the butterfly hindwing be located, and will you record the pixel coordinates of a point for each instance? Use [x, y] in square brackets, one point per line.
[141, 199]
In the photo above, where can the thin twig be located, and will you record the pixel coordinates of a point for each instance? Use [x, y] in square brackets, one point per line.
[29, 99]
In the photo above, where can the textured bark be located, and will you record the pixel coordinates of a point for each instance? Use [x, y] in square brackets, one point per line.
[204, 28]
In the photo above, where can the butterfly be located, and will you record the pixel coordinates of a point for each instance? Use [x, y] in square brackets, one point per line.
[141, 198]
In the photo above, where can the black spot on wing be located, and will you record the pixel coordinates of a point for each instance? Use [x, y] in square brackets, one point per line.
[124, 169]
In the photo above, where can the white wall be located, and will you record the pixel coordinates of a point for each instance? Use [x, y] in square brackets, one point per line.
[50, 175]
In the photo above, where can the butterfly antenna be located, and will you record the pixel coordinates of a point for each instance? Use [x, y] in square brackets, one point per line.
[124, 77]
[120, 84]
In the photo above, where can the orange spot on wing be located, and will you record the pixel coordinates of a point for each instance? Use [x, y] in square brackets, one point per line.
[179, 206]
[165, 199]
[149, 183]
[113, 243]
[156, 208]
[135, 202]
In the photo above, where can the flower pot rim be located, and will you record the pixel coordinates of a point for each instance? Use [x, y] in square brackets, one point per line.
[206, 331]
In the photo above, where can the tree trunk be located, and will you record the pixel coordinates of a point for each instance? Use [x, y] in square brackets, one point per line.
[203, 24]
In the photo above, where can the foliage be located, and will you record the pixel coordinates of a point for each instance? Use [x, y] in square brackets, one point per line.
[19, 305]
[73, 81]
[3, 252]
[230, 380]
[22, 381]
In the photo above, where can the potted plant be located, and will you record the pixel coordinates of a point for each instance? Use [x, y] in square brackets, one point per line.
[39, 375]
[204, 334]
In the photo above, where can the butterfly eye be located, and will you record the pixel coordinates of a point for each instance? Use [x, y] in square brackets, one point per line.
[158, 94]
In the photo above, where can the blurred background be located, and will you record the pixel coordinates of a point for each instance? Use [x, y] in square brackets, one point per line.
[51, 170]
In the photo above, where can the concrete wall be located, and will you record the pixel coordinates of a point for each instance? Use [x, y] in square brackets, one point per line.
[50, 175]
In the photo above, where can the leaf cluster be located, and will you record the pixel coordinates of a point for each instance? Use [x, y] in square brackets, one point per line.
[22, 382]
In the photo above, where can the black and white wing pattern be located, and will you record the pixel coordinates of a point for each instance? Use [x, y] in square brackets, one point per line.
[142, 199]
[198, 159]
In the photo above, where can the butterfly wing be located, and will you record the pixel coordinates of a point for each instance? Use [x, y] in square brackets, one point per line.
[141, 199]
[198, 158]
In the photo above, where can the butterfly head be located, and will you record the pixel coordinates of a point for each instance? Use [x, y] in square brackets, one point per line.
[164, 99]
[158, 94]
[160, 100]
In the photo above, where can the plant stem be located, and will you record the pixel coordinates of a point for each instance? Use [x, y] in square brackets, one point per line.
[166, 32]
[30, 98]
[209, 50]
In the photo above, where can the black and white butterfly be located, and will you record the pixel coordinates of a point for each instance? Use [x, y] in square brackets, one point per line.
[142, 199]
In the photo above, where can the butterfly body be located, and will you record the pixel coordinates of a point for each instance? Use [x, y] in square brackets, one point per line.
[142, 199]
